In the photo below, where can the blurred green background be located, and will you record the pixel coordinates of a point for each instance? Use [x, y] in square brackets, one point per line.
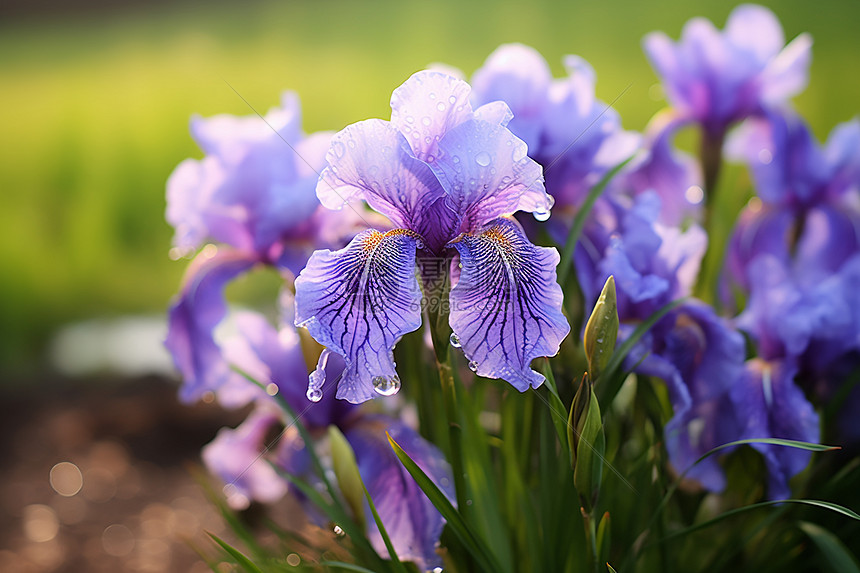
[95, 102]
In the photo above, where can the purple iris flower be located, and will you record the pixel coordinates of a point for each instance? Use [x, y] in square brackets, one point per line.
[241, 457]
[768, 404]
[653, 264]
[572, 134]
[659, 167]
[795, 251]
[255, 196]
[448, 177]
[699, 356]
[717, 79]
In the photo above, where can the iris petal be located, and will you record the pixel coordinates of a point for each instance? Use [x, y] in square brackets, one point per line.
[358, 302]
[426, 106]
[371, 160]
[409, 517]
[487, 173]
[506, 305]
[770, 404]
[193, 317]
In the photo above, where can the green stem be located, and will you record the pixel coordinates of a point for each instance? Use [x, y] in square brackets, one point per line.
[711, 158]
[591, 536]
[449, 393]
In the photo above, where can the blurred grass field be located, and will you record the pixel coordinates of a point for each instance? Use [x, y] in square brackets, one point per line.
[94, 109]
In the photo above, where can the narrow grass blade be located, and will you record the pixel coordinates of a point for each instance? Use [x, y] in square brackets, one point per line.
[345, 566]
[579, 220]
[612, 383]
[454, 518]
[240, 558]
[556, 406]
[772, 441]
[306, 437]
[398, 566]
[732, 512]
[336, 514]
[835, 554]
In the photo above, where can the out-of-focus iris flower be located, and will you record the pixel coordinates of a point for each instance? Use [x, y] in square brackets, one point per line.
[808, 206]
[693, 350]
[795, 251]
[717, 79]
[448, 177]
[241, 457]
[573, 135]
[255, 196]
[660, 168]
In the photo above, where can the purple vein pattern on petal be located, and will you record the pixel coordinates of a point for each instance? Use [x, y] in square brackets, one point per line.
[426, 106]
[194, 315]
[409, 517]
[506, 305]
[487, 173]
[358, 302]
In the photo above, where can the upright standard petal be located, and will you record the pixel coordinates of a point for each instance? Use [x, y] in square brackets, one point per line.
[506, 305]
[410, 519]
[194, 315]
[428, 105]
[358, 302]
[371, 160]
[519, 76]
[487, 173]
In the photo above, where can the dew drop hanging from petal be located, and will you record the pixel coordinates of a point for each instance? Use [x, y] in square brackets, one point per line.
[473, 366]
[317, 377]
[455, 341]
[385, 386]
[541, 215]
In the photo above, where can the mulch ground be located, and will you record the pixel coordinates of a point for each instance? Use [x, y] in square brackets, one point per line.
[137, 449]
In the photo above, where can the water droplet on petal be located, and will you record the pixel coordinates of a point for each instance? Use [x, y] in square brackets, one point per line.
[440, 106]
[482, 159]
[317, 377]
[519, 153]
[386, 386]
[541, 215]
[438, 569]
[473, 366]
[455, 341]
[425, 120]
[338, 530]
[338, 149]
[419, 244]
[452, 100]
